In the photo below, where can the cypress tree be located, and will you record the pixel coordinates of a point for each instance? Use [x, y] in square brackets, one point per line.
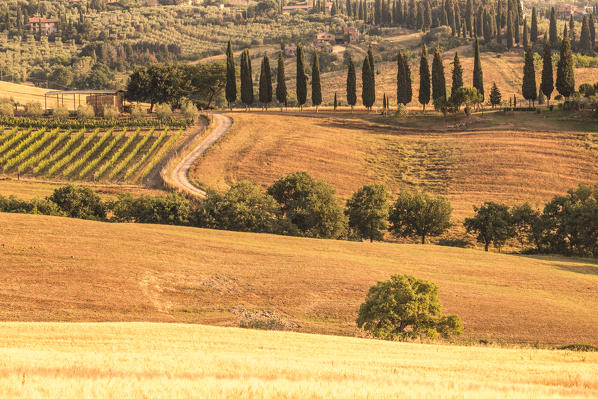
[372, 77]
[301, 78]
[469, 17]
[478, 75]
[547, 83]
[528, 88]
[516, 22]
[419, 21]
[424, 79]
[427, 16]
[552, 30]
[572, 30]
[231, 77]
[351, 85]
[384, 104]
[509, 33]
[281, 86]
[366, 79]
[479, 22]
[335, 101]
[316, 87]
[246, 79]
[457, 74]
[565, 78]
[585, 39]
[407, 89]
[495, 96]
[438, 80]
[265, 92]
[534, 29]
[525, 41]
[592, 29]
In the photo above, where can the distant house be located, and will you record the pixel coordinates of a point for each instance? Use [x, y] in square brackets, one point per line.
[298, 6]
[564, 11]
[45, 26]
[324, 38]
[352, 34]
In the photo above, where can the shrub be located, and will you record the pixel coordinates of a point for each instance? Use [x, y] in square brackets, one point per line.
[35, 206]
[111, 113]
[190, 111]
[85, 112]
[406, 307]
[163, 111]
[7, 110]
[79, 202]
[137, 112]
[34, 110]
[368, 211]
[61, 113]
[173, 209]
[402, 111]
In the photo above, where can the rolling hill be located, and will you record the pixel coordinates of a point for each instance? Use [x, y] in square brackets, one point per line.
[60, 269]
[148, 360]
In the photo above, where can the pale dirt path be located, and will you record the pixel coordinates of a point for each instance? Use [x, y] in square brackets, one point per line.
[180, 173]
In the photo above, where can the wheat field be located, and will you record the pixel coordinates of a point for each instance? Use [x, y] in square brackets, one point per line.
[152, 360]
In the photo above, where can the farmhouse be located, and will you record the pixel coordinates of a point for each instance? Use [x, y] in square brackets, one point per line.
[98, 99]
[324, 38]
[45, 26]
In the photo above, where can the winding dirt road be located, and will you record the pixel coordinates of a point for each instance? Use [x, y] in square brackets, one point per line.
[180, 172]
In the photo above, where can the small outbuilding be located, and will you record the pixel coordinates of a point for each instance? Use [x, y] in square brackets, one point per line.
[98, 99]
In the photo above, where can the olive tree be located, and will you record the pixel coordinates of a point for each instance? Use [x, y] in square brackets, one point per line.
[420, 215]
[406, 307]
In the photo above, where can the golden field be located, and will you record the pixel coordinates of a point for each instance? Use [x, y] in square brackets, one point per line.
[25, 94]
[60, 269]
[505, 161]
[150, 360]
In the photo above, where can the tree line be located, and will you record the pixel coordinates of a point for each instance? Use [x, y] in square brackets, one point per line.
[299, 205]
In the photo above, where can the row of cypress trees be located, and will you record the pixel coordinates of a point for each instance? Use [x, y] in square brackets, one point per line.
[432, 84]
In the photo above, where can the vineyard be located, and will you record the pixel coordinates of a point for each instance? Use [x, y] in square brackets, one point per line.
[114, 155]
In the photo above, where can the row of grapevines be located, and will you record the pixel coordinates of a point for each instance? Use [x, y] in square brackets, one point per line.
[50, 160]
[69, 157]
[44, 153]
[15, 138]
[31, 138]
[147, 154]
[75, 165]
[100, 172]
[8, 134]
[131, 155]
[18, 158]
[156, 160]
[102, 154]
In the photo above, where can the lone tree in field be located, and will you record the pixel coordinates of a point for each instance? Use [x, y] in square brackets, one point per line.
[265, 93]
[281, 86]
[534, 29]
[565, 78]
[424, 79]
[419, 215]
[438, 80]
[316, 87]
[492, 223]
[351, 85]
[246, 80]
[553, 33]
[529, 88]
[457, 74]
[368, 211]
[547, 83]
[495, 96]
[301, 78]
[231, 77]
[406, 307]
[478, 75]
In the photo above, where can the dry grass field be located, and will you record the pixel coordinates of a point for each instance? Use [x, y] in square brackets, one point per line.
[496, 163]
[60, 269]
[147, 360]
